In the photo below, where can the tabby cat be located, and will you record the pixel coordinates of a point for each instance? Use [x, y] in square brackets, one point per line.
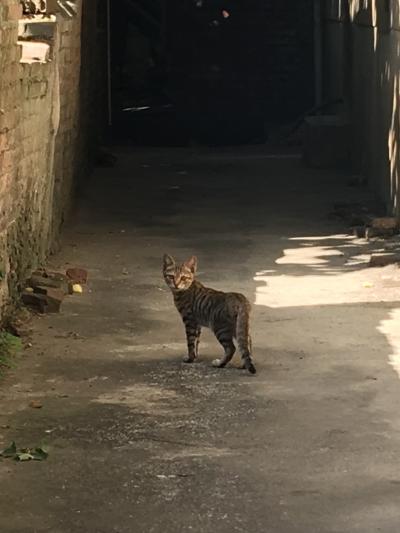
[226, 313]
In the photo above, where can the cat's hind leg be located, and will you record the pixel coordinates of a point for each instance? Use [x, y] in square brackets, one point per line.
[247, 362]
[224, 336]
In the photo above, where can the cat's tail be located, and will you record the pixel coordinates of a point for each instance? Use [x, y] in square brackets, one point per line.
[243, 336]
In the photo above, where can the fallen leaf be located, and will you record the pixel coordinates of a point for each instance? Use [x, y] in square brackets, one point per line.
[24, 457]
[36, 404]
[10, 451]
[25, 454]
[40, 454]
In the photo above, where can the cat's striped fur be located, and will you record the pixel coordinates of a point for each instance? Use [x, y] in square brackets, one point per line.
[227, 314]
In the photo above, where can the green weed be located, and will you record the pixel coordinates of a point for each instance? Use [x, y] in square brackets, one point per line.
[9, 347]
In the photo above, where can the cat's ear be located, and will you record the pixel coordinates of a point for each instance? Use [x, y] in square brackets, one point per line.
[192, 264]
[168, 261]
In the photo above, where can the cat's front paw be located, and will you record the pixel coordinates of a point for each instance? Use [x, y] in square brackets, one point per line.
[217, 363]
[188, 359]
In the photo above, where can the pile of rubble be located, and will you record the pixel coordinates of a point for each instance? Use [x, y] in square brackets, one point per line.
[46, 290]
[383, 227]
[365, 225]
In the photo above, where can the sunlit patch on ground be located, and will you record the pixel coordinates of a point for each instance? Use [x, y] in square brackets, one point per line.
[325, 270]
[391, 329]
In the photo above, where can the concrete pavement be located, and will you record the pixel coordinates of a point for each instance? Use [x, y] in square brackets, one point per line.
[140, 442]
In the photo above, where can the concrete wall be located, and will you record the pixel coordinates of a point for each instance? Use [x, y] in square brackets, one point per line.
[362, 60]
[41, 145]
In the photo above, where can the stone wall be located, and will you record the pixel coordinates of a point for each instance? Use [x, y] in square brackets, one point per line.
[41, 147]
[362, 59]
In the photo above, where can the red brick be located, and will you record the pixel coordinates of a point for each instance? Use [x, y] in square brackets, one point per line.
[77, 275]
[14, 12]
[383, 259]
[7, 160]
[44, 303]
[3, 142]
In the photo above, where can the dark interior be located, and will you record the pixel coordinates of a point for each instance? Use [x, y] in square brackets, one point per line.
[214, 72]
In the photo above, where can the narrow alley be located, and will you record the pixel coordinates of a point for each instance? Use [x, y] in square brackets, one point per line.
[261, 137]
[138, 440]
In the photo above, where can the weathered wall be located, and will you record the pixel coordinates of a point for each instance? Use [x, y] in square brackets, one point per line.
[41, 147]
[362, 52]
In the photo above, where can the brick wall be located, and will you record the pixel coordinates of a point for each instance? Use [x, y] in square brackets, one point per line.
[40, 145]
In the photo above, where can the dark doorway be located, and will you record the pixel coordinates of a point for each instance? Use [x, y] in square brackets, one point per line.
[211, 71]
